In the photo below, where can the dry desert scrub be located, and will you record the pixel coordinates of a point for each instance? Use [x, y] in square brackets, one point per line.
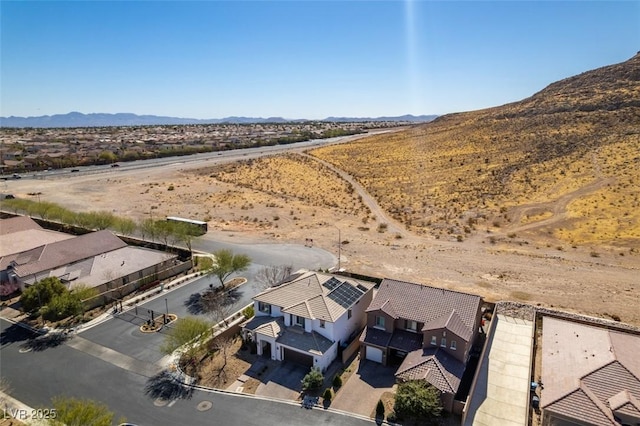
[293, 176]
[579, 173]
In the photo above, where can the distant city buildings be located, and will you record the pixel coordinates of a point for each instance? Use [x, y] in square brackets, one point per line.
[25, 149]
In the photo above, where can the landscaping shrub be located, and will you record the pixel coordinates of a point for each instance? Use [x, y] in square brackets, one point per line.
[327, 395]
[248, 312]
[313, 379]
[337, 381]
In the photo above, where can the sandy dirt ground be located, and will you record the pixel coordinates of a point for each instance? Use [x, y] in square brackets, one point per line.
[530, 268]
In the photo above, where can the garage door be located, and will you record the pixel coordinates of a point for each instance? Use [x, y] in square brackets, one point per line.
[298, 357]
[374, 354]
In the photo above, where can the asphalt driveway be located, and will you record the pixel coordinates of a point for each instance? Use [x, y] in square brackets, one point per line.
[361, 392]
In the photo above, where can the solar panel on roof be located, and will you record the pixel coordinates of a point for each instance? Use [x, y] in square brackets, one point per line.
[345, 295]
[331, 283]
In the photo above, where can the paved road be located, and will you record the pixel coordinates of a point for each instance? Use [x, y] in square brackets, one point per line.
[37, 376]
[122, 334]
[194, 160]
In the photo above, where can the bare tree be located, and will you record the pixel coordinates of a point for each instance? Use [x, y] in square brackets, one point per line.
[270, 276]
[217, 304]
[223, 346]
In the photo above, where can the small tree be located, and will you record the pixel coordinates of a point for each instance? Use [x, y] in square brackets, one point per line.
[313, 379]
[216, 304]
[223, 345]
[189, 332]
[227, 263]
[270, 276]
[417, 399]
[81, 412]
[41, 293]
[125, 226]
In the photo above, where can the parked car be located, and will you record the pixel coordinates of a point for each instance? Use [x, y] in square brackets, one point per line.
[115, 165]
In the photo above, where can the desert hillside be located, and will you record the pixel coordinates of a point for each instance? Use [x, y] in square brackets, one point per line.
[564, 163]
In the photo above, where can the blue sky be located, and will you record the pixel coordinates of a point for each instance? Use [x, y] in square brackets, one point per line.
[299, 59]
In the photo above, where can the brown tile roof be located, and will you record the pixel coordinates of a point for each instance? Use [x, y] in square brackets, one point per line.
[405, 340]
[306, 296]
[433, 365]
[17, 224]
[425, 304]
[64, 252]
[374, 336]
[451, 322]
[587, 371]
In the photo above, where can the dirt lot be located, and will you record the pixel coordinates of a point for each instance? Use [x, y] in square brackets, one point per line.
[248, 204]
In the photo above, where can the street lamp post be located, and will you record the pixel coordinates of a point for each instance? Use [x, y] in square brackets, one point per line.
[339, 246]
[166, 304]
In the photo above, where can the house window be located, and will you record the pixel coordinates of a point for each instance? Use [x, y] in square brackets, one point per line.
[299, 321]
[434, 342]
[321, 323]
[453, 345]
[264, 307]
[443, 342]
[349, 313]
[379, 322]
[411, 325]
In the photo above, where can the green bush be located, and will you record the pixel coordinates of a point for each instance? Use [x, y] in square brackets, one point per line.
[327, 395]
[313, 379]
[248, 312]
[41, 293]
[337, 381]
[417, 399]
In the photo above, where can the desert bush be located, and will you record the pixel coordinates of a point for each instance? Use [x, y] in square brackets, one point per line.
[248, 312]
[327, 395]
[313, 379]
[337, 381]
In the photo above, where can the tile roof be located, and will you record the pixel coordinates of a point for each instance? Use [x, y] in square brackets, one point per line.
[429, 305]
[106, 267]
[17, 224]
[265, 325]
[405, 340]
[21, 241]
[589, 370]
[307, 295]
[313, 342]
[451, 322]
[65, 252]
[374, 336]
[435, 366]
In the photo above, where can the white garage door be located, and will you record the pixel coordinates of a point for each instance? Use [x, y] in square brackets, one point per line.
[374, 354]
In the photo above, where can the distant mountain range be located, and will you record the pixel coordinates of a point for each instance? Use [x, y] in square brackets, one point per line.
[78, 119]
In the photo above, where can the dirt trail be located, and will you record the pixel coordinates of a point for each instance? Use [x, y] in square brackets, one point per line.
[558, 207]
[382, 217]
[533, 271]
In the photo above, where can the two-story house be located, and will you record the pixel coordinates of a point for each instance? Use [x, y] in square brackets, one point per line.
[427, 331]
[307, 318]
